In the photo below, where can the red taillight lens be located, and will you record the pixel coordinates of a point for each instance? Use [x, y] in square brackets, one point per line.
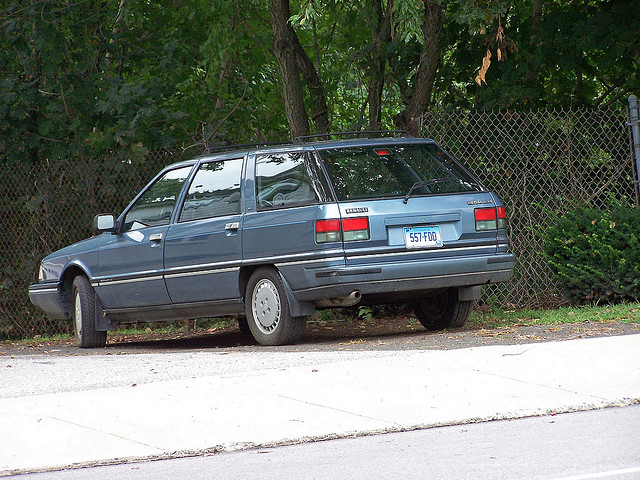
[323, 226]
[350, 224]
[486, 219]
[355, 229]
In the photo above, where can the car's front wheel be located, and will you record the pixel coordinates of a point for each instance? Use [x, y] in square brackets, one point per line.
[442, 311]
[84, 314]
[267, 307]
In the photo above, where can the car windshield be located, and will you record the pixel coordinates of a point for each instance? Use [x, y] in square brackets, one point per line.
[395, 171]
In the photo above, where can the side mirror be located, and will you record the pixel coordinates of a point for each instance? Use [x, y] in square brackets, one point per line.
[104, 223]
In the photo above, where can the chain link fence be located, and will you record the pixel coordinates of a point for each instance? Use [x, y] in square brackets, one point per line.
[538, 162]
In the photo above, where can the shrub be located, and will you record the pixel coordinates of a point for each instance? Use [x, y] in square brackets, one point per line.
[595, 254]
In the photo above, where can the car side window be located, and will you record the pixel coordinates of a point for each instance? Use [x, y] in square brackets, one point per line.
[155, 206]
[286, 180]
[214, 191]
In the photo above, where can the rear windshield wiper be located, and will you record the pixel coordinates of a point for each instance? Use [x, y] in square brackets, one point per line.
[424, 183]
[480, 188]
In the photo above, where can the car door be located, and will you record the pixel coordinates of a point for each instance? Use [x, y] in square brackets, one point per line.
[203, 249]
[130, 262]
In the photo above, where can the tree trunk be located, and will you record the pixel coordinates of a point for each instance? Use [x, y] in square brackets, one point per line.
[320, 113]
[117, 27]
[381, 37]
[537, 13]
[410, 118]
[284, 50]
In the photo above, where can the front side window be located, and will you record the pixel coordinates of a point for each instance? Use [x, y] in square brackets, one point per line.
[374, 172]
[214, 191]
[155, 206]
[287, 180]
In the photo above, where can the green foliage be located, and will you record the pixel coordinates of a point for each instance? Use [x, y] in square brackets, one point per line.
[595, 254]
[579, 54]
[86, 78]
[365, 313]
[499, 318]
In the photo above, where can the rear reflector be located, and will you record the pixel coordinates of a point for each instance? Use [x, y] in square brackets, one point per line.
[383, 151]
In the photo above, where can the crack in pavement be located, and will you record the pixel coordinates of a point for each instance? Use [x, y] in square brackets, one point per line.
[306, 402]
[550, 387]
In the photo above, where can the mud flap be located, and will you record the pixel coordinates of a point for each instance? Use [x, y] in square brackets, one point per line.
[470, 293]
[103, 324]
[297, 308]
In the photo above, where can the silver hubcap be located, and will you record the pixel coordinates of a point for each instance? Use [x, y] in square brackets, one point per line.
[266, 306]
[78, 314]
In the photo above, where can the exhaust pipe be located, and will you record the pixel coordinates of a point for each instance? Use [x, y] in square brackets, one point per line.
[347, 301]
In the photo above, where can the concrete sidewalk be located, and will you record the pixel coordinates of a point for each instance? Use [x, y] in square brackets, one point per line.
[353, 396]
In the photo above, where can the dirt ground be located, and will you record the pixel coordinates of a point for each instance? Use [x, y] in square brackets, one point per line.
[379, 333]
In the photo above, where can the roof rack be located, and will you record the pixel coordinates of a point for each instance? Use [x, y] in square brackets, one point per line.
[309, 138]
[228, 148]
[367, 133]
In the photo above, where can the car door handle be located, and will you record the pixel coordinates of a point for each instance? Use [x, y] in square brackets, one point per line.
[232, 226]
[155, 237]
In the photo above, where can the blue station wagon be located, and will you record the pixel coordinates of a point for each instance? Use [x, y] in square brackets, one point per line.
[272, 233]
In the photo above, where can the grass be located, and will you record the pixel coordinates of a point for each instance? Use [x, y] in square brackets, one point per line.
[44, 338]
[493, 318]
[625, 313]
[208, 324]
[201, 325]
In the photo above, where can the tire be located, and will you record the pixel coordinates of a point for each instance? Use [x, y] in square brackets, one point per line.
[83, 302]
[267, 307]
[443, 311]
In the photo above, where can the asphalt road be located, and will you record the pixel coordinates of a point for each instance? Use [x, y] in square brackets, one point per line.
[600, 444]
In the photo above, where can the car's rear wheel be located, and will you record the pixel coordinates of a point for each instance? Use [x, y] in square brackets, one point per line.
[442, 311]
[84, 314]
[268, 315]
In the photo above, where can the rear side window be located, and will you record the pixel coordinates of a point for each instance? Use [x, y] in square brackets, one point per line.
[214, 191]
[374, 172]
[288, 179]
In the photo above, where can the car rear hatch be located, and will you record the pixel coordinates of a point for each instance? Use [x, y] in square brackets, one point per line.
[410, 202]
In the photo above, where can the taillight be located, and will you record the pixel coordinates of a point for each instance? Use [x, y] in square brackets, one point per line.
[350, 229]
[486, 219]
[502, 218]
[490, 218]
[328, 231]
[355, 229]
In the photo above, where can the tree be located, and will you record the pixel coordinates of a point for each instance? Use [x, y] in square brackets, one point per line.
[284, 50]
[83, 78]
[419, 98]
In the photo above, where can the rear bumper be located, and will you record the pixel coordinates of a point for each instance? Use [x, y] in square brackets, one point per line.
[399, 278]
[47, 296]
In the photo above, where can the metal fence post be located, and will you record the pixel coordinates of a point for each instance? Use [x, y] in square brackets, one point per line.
[635, 134]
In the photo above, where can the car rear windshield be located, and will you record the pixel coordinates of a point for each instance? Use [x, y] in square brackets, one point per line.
[395, 171]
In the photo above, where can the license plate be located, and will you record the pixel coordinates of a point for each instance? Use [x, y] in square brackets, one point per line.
[422, 237]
